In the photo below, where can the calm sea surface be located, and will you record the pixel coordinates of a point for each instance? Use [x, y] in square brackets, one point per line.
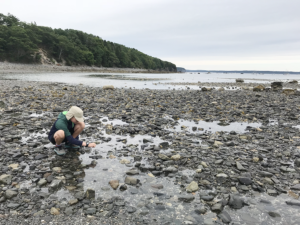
[152, 81]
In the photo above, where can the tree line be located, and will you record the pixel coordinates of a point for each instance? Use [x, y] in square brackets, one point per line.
[20, 42]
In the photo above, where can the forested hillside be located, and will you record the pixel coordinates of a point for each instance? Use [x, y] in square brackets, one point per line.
[24, 42]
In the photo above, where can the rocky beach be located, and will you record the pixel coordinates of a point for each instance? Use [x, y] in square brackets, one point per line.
[18, 68]
[162, 156]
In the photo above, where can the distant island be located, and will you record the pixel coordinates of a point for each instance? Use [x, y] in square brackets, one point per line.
[22, 42]
[183, 70]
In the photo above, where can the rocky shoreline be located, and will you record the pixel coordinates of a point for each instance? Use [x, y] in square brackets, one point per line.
[157, 174]
[17, 68]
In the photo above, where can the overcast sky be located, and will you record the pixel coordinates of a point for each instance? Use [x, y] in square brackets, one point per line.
[194, 34]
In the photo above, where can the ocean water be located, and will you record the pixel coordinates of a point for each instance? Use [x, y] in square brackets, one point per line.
[151, 81]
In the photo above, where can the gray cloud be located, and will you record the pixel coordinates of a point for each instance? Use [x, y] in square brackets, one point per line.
[196, 34]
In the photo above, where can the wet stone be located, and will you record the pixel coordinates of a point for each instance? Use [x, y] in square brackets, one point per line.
[293, 202]
[274, 214]
[39, 213]
[114, 184]
[272, 192]
[132, 172]
[90, 211]
[90, 193]
[192, 187]
[186, 198]
[130, 209]
[296, 187]
[131, 180]
[69, 211]
[157, 186]
[217, 208]
[10, 194]
[42, 182]
[13, 205]
[245, 180]
[5, 179]
[225, 217]
[123, 187]
[73, 201]
[207, 198]
[55, 185]
[40, 156]
[235, 202]
[201, 210]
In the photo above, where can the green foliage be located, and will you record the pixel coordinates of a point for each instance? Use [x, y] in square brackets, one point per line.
[20, 41]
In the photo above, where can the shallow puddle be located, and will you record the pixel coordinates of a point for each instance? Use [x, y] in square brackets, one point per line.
[97, 166]
[216, 126]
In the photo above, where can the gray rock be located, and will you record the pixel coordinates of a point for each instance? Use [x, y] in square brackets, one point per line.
[296, 187]
[245, 180]
[137, 158]
[163, 157]
[297, 162]
[272, 192]
[69, 211]
[131, 180]
[164, 144]
[186, 198]
[132, 172]
[10, 194]
[157, 186]
[171, 169]
[274, 214]
[79, 195]
[90, 211]
[239, 166]
[225, 217]
[40, 156]
[207, 198]
[13, 205]
[201, 210]
[130, 209]
[217, 208]
[235, 202]
[55, 185]
[39, 213]
[5, 179]
[293, 202]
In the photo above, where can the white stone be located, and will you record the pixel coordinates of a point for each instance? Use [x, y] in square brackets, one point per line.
[175, 157]
[192, 187]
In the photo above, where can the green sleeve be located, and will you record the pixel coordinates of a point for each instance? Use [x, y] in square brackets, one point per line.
[60, 125]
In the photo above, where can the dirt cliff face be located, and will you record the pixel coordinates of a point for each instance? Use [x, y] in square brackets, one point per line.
[42, 55]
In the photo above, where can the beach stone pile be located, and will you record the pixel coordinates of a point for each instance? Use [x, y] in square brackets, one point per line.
[228, 167]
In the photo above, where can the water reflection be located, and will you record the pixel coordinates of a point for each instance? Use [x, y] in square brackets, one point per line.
[147, 79]
[215, 126]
